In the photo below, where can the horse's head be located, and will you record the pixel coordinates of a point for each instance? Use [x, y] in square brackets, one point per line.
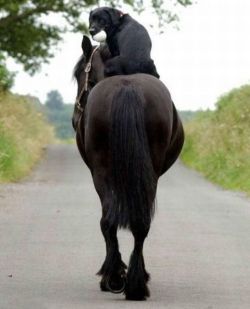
[88, 72]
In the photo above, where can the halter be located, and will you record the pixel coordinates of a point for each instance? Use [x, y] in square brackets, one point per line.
[86, 82]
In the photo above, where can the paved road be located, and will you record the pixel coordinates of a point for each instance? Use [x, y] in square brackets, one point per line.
[198, 250]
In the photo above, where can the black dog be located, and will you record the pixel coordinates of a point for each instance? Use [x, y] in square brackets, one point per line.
[128, 42]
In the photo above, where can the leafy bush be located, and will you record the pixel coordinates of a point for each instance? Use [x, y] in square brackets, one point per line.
[6, 77]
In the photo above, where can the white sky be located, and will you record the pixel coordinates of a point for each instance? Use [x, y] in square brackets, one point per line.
[207, 57]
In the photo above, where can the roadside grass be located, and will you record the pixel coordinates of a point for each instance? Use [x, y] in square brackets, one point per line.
[218, 142]
[24, 133]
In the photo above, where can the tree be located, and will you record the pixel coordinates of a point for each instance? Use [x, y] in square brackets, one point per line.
[59, 115]
[27, 37]
[54, 100]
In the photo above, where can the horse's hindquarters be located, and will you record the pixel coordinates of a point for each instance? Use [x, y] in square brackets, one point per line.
[163, 126]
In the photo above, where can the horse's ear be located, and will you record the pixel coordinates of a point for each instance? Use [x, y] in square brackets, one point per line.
[86, 47]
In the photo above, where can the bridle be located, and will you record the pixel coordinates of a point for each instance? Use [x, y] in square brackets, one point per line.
[85, 88]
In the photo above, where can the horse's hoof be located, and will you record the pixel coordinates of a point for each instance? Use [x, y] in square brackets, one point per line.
[137, 293]
[116, 287]
[103, 286]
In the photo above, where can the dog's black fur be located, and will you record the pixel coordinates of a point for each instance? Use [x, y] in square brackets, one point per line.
[128, 42]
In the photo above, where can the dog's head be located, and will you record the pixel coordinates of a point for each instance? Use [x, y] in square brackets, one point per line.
[104, 18]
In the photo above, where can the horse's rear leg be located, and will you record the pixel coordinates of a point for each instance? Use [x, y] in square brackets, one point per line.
[113, 269]
[137, 276]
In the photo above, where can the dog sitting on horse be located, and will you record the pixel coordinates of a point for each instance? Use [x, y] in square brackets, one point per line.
[128, 42]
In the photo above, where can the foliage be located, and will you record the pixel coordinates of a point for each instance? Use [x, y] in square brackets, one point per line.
[23, 135]
[6, 77]
[218, 143]
[28, 36]
[59, 115]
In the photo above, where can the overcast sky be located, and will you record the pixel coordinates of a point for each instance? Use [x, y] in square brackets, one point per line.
[207, 57]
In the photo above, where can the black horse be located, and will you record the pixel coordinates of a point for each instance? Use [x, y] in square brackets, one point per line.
[128, 133]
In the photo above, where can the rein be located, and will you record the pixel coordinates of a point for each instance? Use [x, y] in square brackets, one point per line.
[86, 82]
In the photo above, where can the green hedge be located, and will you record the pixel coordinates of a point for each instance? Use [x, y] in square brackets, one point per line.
[23, 134]
[218, 143]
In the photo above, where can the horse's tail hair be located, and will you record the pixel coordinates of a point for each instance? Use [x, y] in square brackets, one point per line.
[133, 177]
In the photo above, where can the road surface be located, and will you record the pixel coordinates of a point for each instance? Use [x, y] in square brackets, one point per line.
[198, 249]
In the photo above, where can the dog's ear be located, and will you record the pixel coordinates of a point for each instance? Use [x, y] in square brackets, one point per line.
[86, 47]
[115, 15]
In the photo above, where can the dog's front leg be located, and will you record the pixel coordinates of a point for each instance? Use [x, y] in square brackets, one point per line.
[114, 66]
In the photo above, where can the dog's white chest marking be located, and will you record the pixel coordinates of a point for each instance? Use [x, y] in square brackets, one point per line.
[100, 36]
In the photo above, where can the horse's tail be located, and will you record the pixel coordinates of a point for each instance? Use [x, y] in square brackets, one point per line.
[133, 176]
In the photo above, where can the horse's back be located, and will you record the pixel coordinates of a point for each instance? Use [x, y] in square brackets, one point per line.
[163, 127]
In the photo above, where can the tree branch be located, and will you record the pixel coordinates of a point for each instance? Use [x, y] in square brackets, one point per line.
[13, 18]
